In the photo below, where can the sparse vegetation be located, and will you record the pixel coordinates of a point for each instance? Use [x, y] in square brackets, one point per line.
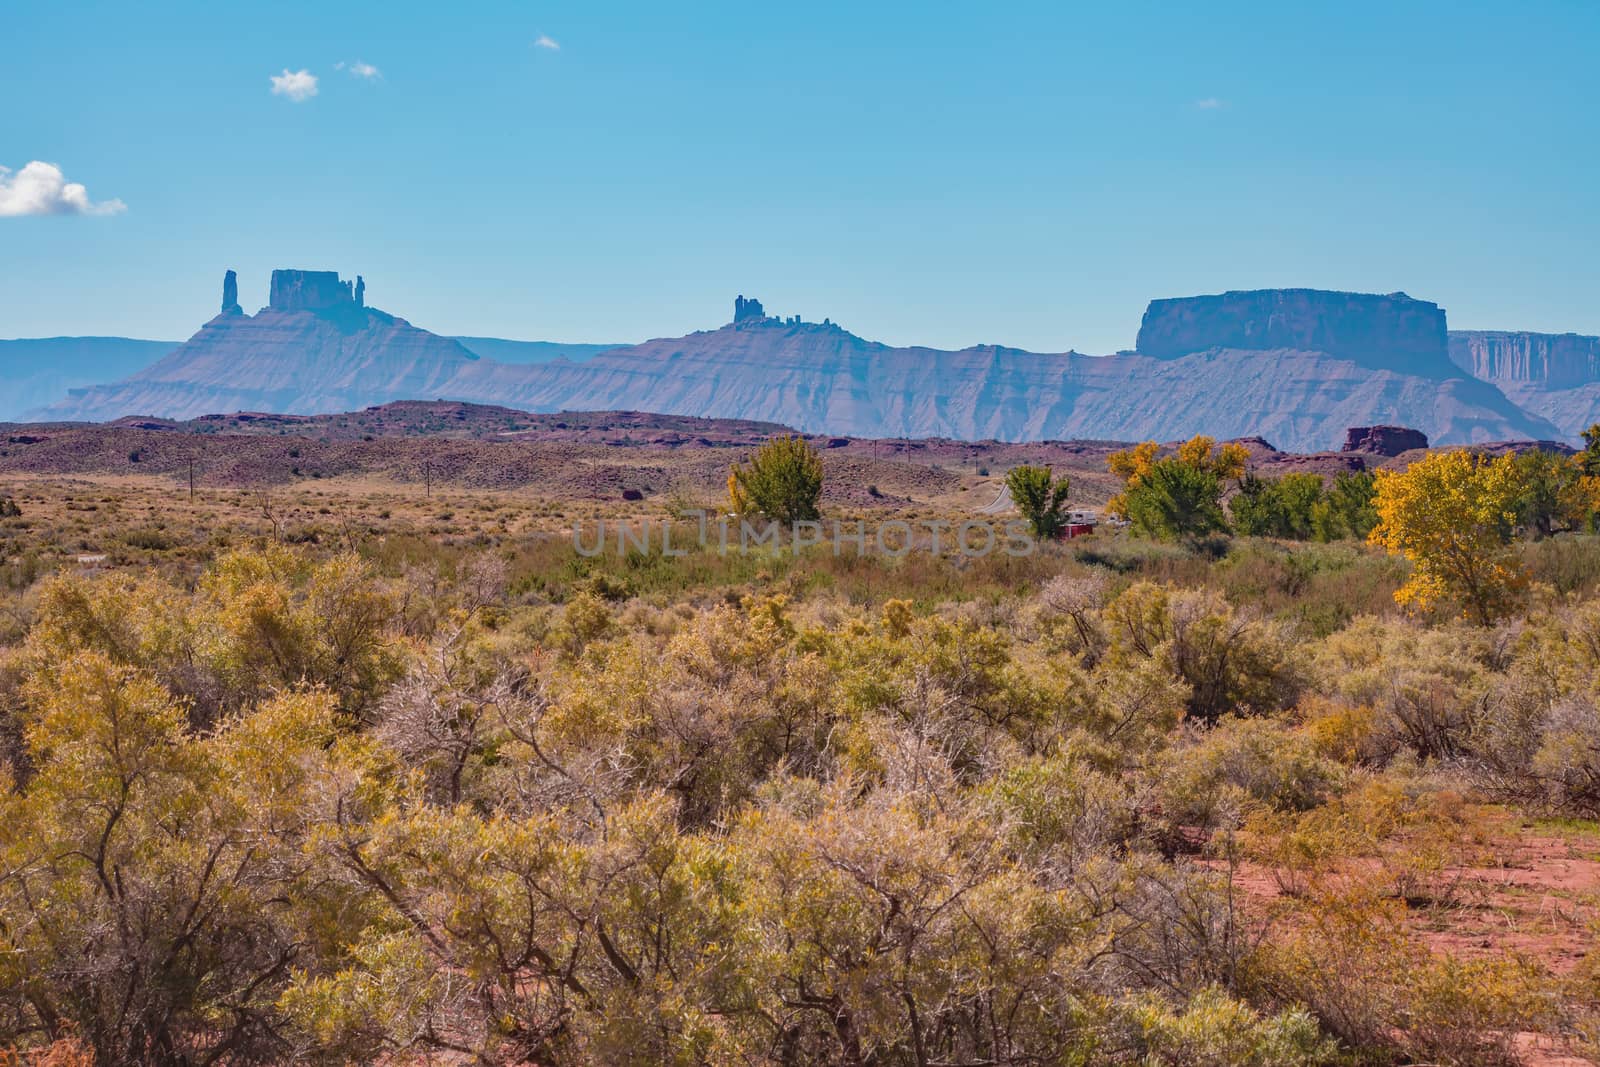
[333, 772]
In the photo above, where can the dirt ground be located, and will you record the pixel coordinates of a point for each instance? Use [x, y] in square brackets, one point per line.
[1534, 892]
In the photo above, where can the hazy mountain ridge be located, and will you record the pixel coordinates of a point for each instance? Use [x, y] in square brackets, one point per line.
[823, 379]
[38, 371]
[503, 350]
[1234, 364]
[307, 362]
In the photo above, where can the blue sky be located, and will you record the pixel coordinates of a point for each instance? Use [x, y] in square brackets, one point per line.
[950, 174]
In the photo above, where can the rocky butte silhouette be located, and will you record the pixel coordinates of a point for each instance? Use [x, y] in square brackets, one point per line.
[315, 347]
[1297, 366]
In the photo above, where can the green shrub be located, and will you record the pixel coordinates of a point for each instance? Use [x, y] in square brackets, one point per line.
[1214, 1029]
[1063, 811]
[1383, 995]
[1429, 687]
[1570, 563]
[1230, 660]
[1281, 507]
[152, 539]
[782, 481]
[1347, 509]
[1070, 608]
[1551, 496]
[1566, 763]
[1256, 761]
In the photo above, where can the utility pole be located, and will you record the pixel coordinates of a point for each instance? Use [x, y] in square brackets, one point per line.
[191, 481]
[427, 478]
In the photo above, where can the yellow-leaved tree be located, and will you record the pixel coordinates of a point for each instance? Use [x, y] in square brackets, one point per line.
[1452, 515]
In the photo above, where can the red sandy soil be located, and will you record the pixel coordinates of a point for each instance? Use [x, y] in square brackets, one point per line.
[1539, 898]
[1541, 901]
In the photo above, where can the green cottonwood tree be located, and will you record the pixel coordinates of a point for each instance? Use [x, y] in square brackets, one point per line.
[1041, 499]
[782, 481]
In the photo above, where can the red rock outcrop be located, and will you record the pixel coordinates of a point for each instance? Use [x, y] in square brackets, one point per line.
[1383, 440]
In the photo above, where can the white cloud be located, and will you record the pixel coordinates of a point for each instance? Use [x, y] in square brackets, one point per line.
[546, 41]
[1210, 103]
[297, 85]
[41, 189]
[358, 69]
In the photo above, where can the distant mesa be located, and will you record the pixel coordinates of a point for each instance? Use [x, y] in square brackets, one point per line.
[1393, 332]
[300, 290]
[1383, 440]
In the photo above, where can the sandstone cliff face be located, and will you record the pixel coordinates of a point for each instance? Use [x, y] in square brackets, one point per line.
[311, 290]
[1392, 332]
[1549, 360]
[747, 310]
[1553, 376]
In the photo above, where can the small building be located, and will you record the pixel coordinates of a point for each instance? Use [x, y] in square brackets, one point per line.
[1080, 521]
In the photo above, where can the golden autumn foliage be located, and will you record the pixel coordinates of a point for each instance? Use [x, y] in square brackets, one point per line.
[1452, 515]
